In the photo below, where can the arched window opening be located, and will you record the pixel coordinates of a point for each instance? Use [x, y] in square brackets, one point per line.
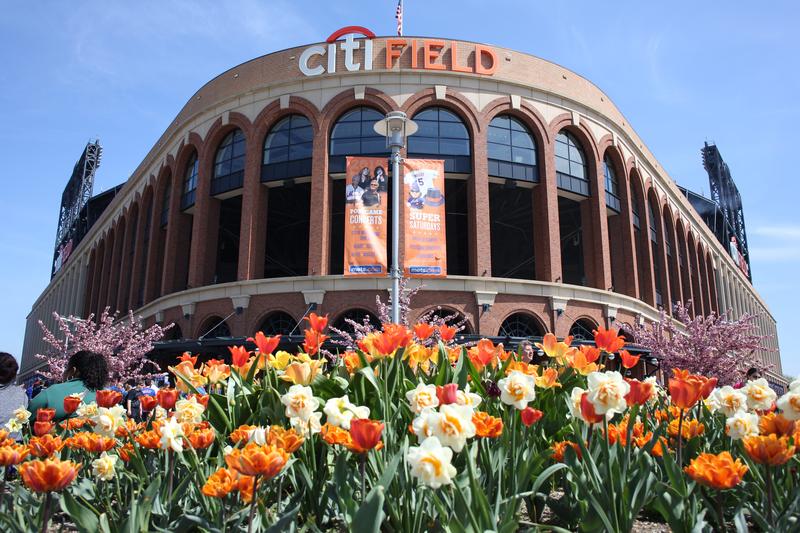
[227, 253]
[442, 135]
[145, 251]
[165, 202]
[229, 163]
[512, 235]
[655, 252]
[190, 182]
[612, 185]
[355, 315]
[451, 318]
[511, 150]
[573, 269]
[287, 149]
[173, 334]
[520, 325]
[353, 134]
[278, 323]
[288, 227]
[214, 328]
[571, 170]
[581, 330]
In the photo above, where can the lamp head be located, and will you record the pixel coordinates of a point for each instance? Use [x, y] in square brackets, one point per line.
[395, 127]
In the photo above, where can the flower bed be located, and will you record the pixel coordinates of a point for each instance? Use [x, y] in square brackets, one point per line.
[412, 432]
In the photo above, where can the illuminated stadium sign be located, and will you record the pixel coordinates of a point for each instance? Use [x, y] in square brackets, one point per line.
[436, 54]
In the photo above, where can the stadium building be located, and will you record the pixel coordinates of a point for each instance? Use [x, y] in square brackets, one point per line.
[558, 217]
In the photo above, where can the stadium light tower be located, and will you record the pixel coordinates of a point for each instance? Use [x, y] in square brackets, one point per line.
[395, 127]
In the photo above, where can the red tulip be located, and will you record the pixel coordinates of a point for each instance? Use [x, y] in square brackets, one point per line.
[447, 332]
[71, 404]
[167, 398]
[365, 434]
[423, 330]
[202, 399]
[42, 428]
[530, 416]
[317, 323]
[641, 392]
[447, 394]
[108, 398]
[266, 345]
[148, 402]
[588, 412]
[45, 414]
[608, 340]
[239, 355]
[628, 360]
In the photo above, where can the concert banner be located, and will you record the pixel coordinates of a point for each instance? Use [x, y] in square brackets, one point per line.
[424, 216]
[366, 217]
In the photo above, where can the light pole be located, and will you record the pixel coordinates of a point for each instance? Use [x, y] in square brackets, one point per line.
[395, 127]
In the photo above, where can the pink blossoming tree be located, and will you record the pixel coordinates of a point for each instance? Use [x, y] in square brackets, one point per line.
[123, 342]
[712, 345]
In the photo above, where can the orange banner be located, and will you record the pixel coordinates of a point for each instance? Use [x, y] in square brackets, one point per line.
[424, 215]
[366, 217]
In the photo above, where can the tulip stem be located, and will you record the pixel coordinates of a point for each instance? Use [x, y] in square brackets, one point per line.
[680, 440]
[720, 511]
[362, 464]
[46, 512]
[253, 504]
[769, 493]
[171, 466]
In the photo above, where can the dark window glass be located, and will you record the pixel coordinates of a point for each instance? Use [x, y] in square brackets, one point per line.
[353, 134]
[612, 185]
[571, 164]
[229, 163]
[189, 182]
[356, 315]
[278, 323]
[287, 149]
[582, 330]
[288, 215]
[512, 236]
[442, 135]
[520, 325]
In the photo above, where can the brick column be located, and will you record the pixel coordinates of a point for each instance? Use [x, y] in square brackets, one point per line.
[116, 265]
[597, 256]
[89, 289]
[697, 301]
[661, 249]
[706, 282]
[547, 233]
[138, 251]
[319, 236]
[205, 229]
[153, 274]
[102, 296]
[125, 269]
[647, 286]
[252, 236]
[175, 222]
[712, 285]
[479, 223]
[676, 284]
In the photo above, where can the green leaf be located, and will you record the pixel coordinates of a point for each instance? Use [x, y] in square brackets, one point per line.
[83, 517]
[286, 523]
[369, 517]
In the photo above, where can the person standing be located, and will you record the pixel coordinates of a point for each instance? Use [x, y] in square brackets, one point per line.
[148, 389]
[132, 404]
[12, 396]
[87, 372]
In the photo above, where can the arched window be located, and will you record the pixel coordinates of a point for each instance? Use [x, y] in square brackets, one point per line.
[655, 251]
[635, 207]
[279, 323]
[571, 164]
[229, 163]
[165, 202]
[612, 185]
[353, 134]
[442, 135]
[511, 149]
[356, 315]
[173, 334]
[189, 182]
[287, 149]
[213, 328]
[581, 330]
[520, 325]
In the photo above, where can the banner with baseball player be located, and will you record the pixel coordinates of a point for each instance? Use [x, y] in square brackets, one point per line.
[424, 217]
[366, 217]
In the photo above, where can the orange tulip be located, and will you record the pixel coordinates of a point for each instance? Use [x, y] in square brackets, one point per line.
[530, 416]
[719, 471]
[554, 349]
[641, 392]
[583, 359]
[90, 442]
[628, 360]
[685, 389]
[45, 414]
[42, 428]
[149, 439]
[447, 333]
[13, 454]
[608, 340]
[167, 397]
[73, 423]
[266, 345]
[587, 410]
[241, 433]
[187, 356]
[71, 404]
[239, 355]
[288, 440]
[108, 398]
[772, 423]
[148, 402]
[220, 483]
[201, 438]
[486, 425]
[548, 379]
[560, 447]
[708, 387]
[334, 435]
[690, 429]
[48, 475]
[366, 434]
[255, 460]
[769, 449]
[202, 399]
[125, 451]
[313, 340]
[317, 323]
[246, 485]
[423, 331]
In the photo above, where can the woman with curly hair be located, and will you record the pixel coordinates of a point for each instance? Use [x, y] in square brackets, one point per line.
[86, 373]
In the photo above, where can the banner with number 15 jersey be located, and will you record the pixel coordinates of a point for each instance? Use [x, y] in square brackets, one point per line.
[424, 216]
[366, 217]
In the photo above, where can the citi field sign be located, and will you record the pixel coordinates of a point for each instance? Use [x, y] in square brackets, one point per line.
[425, 54]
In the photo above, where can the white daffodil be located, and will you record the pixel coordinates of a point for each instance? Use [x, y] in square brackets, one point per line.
[423, 397]
[108, 419]
[430, 462]
[465, 397]
[760, 395]
[742, 424]
[105, 467]
[789, 403]
[300, 402]
[258, 435]
[13, 426]
[87, 410]
[517, 389]
[189, 410]
[574, 403]
[306, 427]
[728, 400]
[452, 425]
[607, 391]
[340, 411]
[22, 415]
[172, 435]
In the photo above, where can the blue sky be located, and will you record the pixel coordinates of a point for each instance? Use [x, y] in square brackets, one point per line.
[681, 72]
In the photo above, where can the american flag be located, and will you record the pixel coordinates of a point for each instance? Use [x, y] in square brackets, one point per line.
[398, 14]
